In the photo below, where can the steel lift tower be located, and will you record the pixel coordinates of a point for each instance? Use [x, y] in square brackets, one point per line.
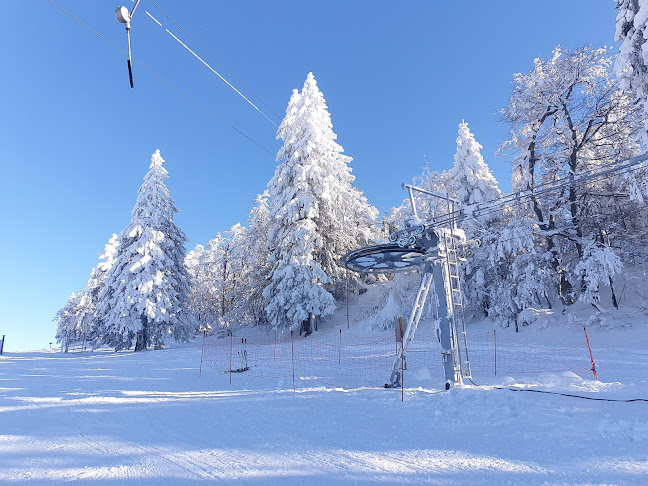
[437, 251]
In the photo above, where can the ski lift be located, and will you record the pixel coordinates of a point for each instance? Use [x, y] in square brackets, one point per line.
[125, 17]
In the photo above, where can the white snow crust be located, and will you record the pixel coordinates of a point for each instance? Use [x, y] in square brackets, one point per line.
[107, 418]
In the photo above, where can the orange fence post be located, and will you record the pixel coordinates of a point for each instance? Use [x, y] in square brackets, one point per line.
[591, 355]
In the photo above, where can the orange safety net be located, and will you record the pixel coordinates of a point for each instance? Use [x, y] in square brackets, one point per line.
[340, 359]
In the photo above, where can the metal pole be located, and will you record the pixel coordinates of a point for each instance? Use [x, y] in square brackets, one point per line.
[411, 196]
[202, 352]
[133, 11]
[347, 297]
[402, 368]
[447, 353]
[292, 357]
[230, 366]
[495, 342]
[130, 63]
[2, 344]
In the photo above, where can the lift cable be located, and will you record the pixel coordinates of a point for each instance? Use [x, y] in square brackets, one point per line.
[227, 82]
[213, 58]
[166, 81]
[215, 72]
[482, 209]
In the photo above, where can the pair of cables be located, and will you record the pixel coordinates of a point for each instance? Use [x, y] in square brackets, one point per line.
[169, 83]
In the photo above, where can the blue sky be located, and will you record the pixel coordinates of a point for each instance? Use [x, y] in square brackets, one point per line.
[75, 140]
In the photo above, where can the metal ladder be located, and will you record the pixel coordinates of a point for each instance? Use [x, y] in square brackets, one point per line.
[455, 300]
[412, 324]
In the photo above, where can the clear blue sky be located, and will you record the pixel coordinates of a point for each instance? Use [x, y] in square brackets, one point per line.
[75, 140]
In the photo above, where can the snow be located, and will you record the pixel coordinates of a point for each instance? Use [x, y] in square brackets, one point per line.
[107, 418]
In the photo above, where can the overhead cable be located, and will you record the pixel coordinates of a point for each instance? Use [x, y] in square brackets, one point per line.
[165, 80]
[212, 57]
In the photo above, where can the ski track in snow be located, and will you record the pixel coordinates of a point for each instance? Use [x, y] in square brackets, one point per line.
[147, 418]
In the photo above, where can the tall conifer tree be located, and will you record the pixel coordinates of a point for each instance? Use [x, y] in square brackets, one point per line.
[146, 290]
[316, 212]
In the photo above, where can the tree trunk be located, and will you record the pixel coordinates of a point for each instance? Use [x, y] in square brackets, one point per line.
[306, 327]
[142, 336]
[615, 303]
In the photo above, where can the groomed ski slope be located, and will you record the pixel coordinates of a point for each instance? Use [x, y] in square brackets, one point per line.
[148, 418]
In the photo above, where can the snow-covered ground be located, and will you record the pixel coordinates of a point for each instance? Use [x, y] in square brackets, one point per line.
[107, 418]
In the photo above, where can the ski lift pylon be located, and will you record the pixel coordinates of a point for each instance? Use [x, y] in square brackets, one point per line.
[125, 17]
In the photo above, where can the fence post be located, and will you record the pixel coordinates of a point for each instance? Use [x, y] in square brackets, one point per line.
[274, 349]
[396, 333]
[495, 342]
[202, 352]
[231, 348]
[402, 364]
[591, 355]
[340, 348]
[292, 357]
[2, 344]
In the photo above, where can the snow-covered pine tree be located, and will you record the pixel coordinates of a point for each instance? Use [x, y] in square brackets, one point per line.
[258, 269]
[146, 290]
[470, 179]
[314, 209]
[75, 320]
[471, 182]
[341, 212]
[96, 283]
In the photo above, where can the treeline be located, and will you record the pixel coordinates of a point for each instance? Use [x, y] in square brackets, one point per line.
[568, 115]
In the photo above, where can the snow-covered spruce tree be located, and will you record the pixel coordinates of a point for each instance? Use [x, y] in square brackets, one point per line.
[343, 215]
[518, 275]
[79, 319]
[75, 320]
[471, 182]
[146, 290]
[258, 269]
[96, 283]
[317, 214]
